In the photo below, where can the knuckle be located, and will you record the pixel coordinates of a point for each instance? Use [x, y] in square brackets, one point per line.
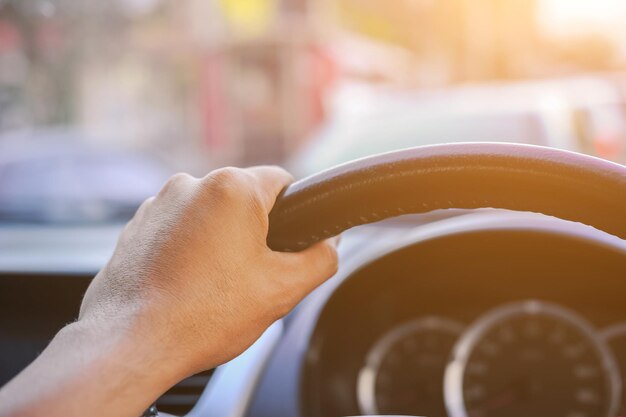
[176, 181]
[144, 206]
[225, 183]
[180, 177]
[229, 175]
[146, 203]
[280, 170]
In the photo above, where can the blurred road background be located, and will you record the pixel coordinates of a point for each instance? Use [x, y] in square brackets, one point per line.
[101, 100]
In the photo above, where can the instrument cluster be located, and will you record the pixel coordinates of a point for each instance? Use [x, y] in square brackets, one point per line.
[519, 359]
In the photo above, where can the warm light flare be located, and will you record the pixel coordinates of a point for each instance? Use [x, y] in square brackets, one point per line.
[566, 16]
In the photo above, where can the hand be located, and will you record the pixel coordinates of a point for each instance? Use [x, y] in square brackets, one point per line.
[191, 284]
[193, 271]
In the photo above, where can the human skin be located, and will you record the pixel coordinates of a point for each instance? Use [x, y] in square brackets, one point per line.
[191, 285]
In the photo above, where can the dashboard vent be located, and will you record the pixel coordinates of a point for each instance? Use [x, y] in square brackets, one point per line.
[181, 398]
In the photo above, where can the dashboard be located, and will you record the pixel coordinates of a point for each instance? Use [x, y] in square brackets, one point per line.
[44, 272]
[451, 314]
[530, 321]
[523, 358]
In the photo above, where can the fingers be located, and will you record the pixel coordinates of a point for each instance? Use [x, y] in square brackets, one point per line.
[307, 269]
[271, 180]
[262, 183]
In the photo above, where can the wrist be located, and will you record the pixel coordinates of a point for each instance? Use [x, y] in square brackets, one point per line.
[125, 359]
[91, 363]
[130, 343]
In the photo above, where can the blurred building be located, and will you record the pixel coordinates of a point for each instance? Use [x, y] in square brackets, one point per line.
[203, 83]
[450, 41]
[499, 40]
[199, 82]
[263, 78]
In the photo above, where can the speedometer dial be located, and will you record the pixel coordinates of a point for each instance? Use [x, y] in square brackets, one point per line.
[403, 373]
[616, 339]
[531, 359]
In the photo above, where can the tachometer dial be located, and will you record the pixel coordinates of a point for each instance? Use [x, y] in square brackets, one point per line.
[403, 373]
[531, 359]
[615, 337]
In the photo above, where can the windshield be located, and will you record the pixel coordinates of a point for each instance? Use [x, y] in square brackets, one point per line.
[100, 101]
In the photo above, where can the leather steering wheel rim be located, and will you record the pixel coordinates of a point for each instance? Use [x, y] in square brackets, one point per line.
[554, 182]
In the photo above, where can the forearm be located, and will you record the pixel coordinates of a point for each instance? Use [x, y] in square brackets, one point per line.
[91, 370]
[191, 285]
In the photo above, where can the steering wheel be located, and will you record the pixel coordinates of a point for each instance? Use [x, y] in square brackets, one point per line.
[554, 182]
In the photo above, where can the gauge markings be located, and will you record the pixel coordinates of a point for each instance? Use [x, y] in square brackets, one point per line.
[615, 337]
[403, 373]
[557, 366]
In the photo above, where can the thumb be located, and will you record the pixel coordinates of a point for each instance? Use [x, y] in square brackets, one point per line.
[309, 268]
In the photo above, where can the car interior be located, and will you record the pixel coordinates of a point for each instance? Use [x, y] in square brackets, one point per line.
[482, 262]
